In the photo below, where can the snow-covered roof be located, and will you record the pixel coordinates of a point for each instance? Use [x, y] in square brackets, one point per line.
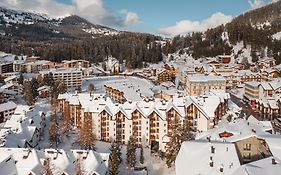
[24, 161]
[260, 167]
[8, 92]
[134, 88]
[8, 85]
[7, 106]
[10, 78]
[44, 88]
[97, 103]
[240, 129]
[195, 158]
[204, 78]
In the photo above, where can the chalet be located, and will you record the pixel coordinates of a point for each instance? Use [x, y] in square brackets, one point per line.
[44, 91]
[13, 87]
[224, 59]
[266, 63]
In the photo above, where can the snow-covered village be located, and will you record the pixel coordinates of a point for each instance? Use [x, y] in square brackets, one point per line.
[85, 89]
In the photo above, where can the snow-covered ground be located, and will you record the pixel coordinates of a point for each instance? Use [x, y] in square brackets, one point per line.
[277, 36]
[133, 87]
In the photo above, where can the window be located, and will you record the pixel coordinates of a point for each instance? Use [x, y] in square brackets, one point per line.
[247, 146]
[247, 156]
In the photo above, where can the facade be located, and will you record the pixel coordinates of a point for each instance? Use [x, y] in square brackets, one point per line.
[6, 67]
[148, 120]
[252, 90]
[265, 96]
[198, 84]
[72, 77]
[13, 87]
[44, 91]
[164, 76]
[7, 110]
[266, 63]
[76, 64]
[252, 149]
[242, 76]
[224, 59]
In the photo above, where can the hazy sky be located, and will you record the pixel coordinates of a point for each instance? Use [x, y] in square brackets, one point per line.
[165, 17]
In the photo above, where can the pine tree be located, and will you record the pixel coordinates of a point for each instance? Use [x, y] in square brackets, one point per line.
[21, 79]
[141, 155]
[53, 133]
[91, 88]
[131, 152]
[47, 166]
[87, 136]
[114, 160]
[179, 134]
[28, 94]
[79, 167]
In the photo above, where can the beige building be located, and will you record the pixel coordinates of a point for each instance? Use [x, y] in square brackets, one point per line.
[252, 90]
[72, 77]
[199, 84]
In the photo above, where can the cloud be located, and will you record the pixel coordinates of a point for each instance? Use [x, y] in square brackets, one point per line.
[49, 7]
[254, 4]
[130, 17]
[188, 26]
[92, 10]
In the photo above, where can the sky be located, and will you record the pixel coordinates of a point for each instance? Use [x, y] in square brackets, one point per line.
[161, 17]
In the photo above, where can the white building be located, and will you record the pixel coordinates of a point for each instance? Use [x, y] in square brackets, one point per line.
[7, 110]
[149, 120]
[203, 157]
[19, 161]
[198, 84]
[23, 129]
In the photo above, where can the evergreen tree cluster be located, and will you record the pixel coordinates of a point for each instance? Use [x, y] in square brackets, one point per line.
[132, 48]
[179, 134]
[254, 28]
[131, 152]
[114, 159]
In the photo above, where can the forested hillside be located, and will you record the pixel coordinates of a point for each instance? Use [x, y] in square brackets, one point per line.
[254, 28]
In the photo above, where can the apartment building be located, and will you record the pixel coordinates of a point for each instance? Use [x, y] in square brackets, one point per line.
[198, 84]
[76, 64]
[6, 67]
[72, 77]
[148, 120]
[252, 90]
[164, 76]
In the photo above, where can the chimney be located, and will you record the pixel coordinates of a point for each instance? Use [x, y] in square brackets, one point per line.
[212, 149]
[26, 153]
[211, 157]
[211, 164]
[273, 161]
[221, 168]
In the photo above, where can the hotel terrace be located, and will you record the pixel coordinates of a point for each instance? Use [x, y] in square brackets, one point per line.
[148, 120]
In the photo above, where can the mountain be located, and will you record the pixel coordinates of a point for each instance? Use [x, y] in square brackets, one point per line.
[73, 37]
[32, 25]
[255, 34]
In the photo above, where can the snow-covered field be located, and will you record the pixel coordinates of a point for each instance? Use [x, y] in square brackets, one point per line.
[133, 87]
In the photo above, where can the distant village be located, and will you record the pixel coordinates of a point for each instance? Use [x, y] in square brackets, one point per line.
[207, 116]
